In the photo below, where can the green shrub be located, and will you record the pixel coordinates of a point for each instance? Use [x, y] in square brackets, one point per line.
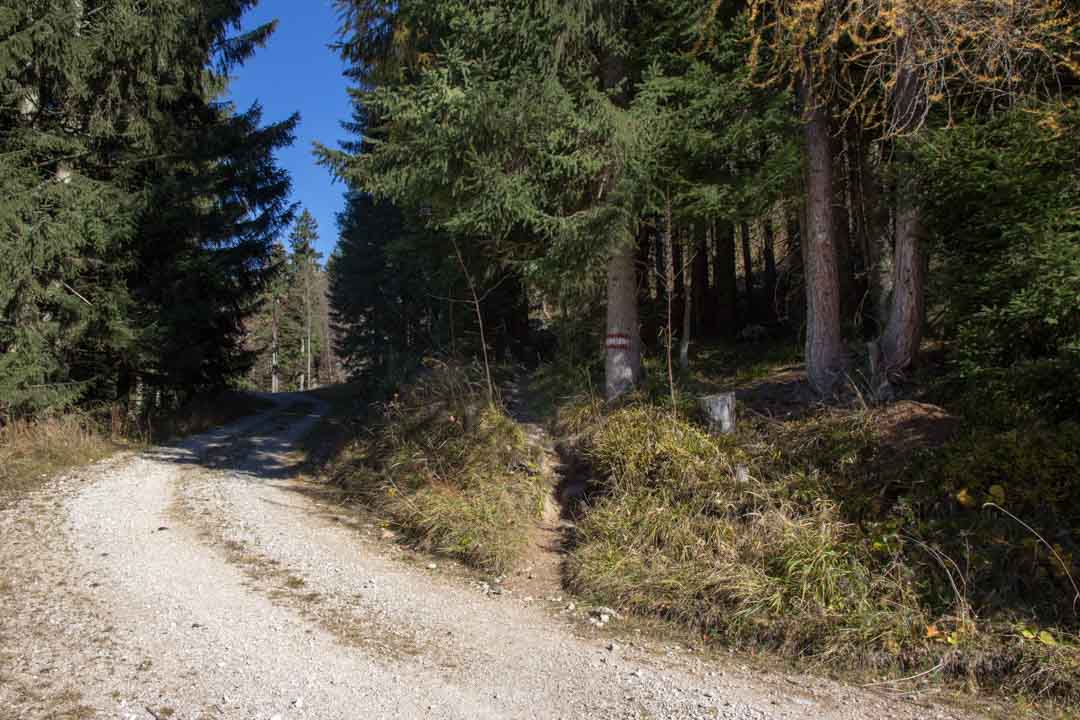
[1003, 202]
[962, 496]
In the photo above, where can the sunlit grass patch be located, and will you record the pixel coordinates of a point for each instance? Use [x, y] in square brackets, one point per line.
[31, 451]
[452, 471]
[815, 539]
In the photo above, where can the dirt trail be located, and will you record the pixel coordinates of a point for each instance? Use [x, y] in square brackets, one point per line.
[204, 581]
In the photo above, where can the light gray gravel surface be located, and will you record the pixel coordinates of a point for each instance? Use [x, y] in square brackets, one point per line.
[204, 581]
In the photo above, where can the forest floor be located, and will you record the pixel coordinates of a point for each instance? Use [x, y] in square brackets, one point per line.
[210, 579]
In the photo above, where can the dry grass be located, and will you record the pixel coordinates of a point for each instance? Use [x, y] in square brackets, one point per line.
[675, 531]
[816, 551]
[453, 473]
[31, 451]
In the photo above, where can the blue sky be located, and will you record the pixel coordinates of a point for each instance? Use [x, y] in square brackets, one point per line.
[297, 72]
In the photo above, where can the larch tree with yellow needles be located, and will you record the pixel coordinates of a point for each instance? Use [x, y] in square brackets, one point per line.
[895, 66]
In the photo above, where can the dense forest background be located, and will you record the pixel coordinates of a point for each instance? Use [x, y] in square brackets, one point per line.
[290, 336]
[139, 211]
[860, 175]
[846, 173]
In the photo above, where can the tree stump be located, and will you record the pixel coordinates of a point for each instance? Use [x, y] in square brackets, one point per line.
[721, 411]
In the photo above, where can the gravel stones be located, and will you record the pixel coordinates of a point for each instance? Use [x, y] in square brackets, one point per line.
[255, 604]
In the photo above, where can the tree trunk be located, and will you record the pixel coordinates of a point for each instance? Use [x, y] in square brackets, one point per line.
[748, 272]
[878, 251]
[769, 252]
[307, 318]
[899, 345]
[825, 361]
[274, 348]
[328, 344]
[622, 368]
[860, 223]
[688, 306]
[720, 409]
[700, 281]
[845, 255]
[680, 284]
[903, 333]
[724, 272]
[669, 292]
[28, 104]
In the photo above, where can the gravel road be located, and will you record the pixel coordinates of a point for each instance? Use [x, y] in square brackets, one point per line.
[204, 580]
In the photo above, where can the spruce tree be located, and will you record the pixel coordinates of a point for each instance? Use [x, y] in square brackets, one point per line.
[305, 262]
[137, 209]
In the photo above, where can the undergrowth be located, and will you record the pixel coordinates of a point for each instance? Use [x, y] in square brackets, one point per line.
[818, 539]
[451, 470]
[32, 451]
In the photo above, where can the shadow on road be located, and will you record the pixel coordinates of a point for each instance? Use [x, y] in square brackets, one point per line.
[258, 448]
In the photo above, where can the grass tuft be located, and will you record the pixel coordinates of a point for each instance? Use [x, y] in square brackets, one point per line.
[816, 540]
[31, 451]
[675, 531]
[453, 473]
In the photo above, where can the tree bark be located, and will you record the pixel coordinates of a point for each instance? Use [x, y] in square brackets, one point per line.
[720, 409]
[769, 252]
[680, 284]
[903, 333]
[688, 304]
[622, 366]
[28, 104]
[878, 244]
[748, 272]
[860, 224]
[622, 369]
[328, 355]
[724, 272]
[845, 253]
[274, 347]
[669, 288]
[700, 281]
[307, 320]
[825, 361]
